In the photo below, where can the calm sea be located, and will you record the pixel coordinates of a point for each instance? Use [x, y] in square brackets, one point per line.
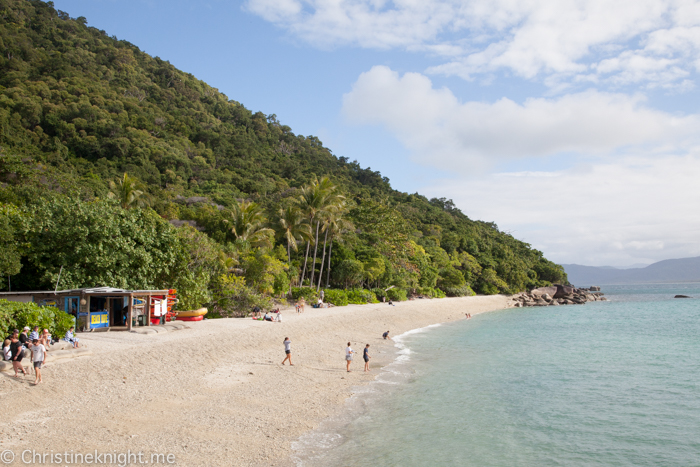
[605, 384]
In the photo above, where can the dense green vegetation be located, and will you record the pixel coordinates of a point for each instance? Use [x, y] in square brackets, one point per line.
[15, 315]
[128, 172]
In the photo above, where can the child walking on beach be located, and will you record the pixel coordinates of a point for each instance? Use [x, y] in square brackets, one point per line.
[38, 357]
[287, 350]
[366, 357]
[348, 356]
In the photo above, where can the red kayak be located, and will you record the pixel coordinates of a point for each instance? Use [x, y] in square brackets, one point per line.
[190, 318]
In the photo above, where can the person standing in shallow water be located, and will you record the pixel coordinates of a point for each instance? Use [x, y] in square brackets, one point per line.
[366, 357]
[348, 356]
[287, 350]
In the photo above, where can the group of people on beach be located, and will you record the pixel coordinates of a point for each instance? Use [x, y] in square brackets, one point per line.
[272, 316]
[18, 345]
[349, 353]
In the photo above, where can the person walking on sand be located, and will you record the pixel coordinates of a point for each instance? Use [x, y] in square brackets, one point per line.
[288, 350]
[348, 356]
[302, 303]
[16, 351]
[38, 357]
[366, 357]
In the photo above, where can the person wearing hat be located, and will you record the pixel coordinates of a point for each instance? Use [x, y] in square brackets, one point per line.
[38, 358]
[24, 338]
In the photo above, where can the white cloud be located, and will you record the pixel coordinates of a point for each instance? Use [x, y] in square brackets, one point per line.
[623, 42]
[441, 131]
[634, 210]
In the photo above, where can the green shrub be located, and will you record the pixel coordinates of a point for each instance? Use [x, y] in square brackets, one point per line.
[462, 291]
[17, 315]
[430, 292]
[234, 298]
[379, 293]
[336, 297]
[7, 320]
[396, 295]
[361, 296]
[309, 294]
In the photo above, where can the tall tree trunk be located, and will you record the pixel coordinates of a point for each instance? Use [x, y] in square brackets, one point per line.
[289, 262]
[323, 259]
[303, 271]
[330, 250]
[313, 265]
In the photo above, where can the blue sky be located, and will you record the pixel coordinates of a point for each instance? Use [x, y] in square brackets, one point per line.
[571, 124]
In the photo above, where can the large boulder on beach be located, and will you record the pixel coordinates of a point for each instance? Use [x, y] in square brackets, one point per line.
[540, 291]
[594, 288]
[563, 291]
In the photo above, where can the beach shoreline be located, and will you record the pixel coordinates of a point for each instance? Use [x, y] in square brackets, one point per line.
[213, 394]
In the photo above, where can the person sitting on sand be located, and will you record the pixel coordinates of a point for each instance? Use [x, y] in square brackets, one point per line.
[70, 337]
[287, 350]
[390, 303]
[348, 356]
[45, 339]
[267, 317]
[24, 338]
[386, 336]
[366, 357]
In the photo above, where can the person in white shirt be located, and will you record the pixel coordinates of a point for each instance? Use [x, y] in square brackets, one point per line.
[287, 350]
[348, 356]
[38, 357]
[6, 353]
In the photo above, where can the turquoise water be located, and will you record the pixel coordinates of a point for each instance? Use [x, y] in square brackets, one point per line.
[605, 384]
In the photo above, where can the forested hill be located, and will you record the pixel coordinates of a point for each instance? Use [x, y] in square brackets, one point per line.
[79, 109]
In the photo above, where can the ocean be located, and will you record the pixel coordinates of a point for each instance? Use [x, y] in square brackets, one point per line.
[604, 384]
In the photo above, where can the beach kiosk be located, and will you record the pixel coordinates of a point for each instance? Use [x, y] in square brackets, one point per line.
[104, 308]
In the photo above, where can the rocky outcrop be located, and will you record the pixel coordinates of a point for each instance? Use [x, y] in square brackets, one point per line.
[682, 296]
[557, 295]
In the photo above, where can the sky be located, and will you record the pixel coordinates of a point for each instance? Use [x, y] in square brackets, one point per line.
[573, 125]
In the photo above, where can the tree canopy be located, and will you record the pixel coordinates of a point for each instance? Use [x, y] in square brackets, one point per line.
[85, 117]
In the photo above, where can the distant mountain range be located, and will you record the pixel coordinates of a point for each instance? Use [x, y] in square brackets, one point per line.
[670, 270]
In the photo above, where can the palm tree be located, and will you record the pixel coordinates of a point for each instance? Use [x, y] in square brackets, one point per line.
[335, 224]
[311, 201]
[292, 226]
[317, 200]
[129, 191]
[248, 222]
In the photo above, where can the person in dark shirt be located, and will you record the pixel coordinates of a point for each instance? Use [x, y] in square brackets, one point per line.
[23, 337]
[16, 349]
[366, 357]
[386, 335]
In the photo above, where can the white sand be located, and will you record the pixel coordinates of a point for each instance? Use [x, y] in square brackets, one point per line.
[214, 394]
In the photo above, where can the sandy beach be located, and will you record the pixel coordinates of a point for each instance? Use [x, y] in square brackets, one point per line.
[213, 394]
